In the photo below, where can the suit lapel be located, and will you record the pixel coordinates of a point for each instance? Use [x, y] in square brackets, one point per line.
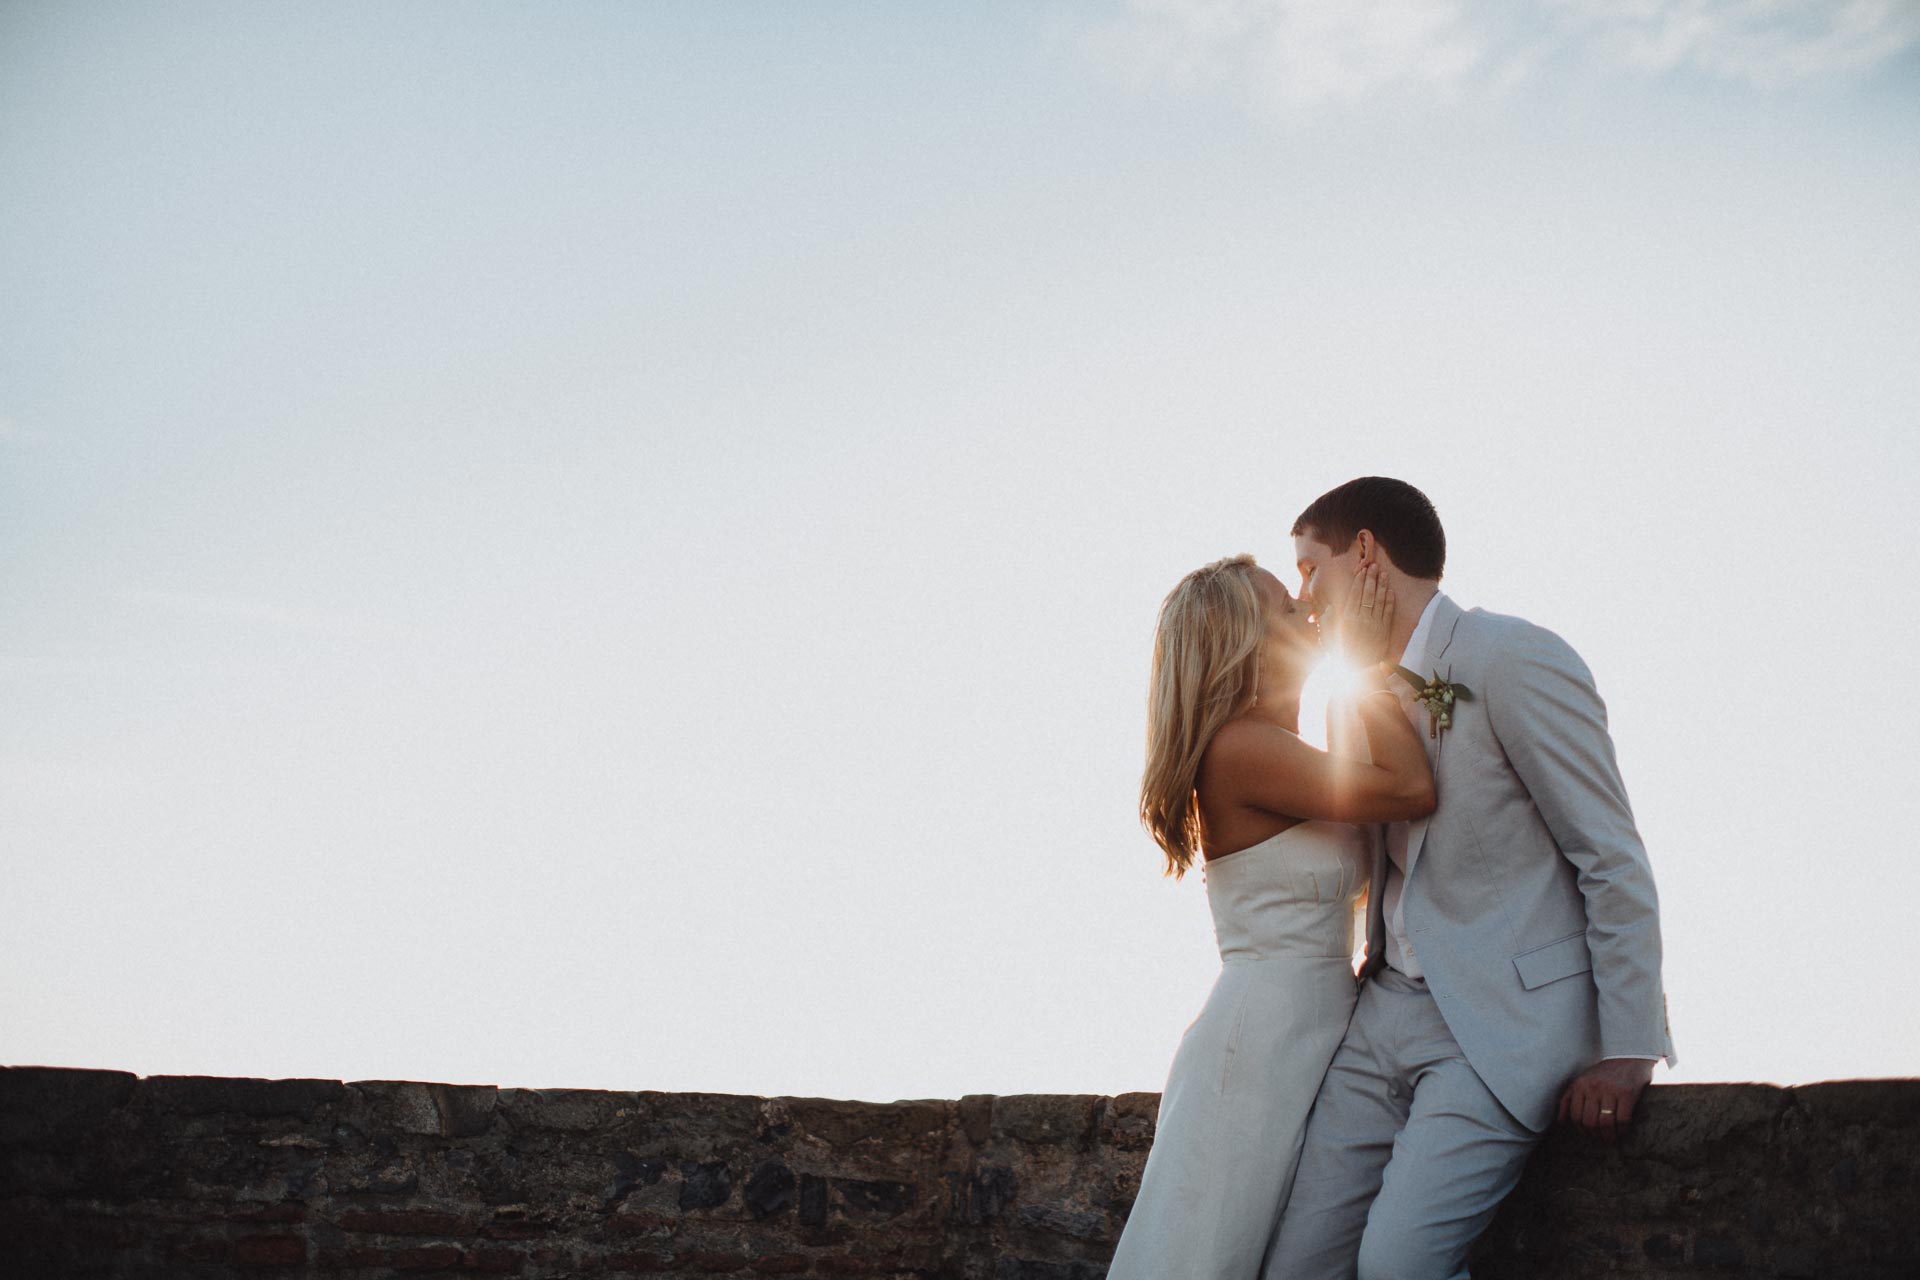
[1446, 616]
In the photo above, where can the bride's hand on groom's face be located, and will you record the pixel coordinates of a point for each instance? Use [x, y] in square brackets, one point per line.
[1365, 618]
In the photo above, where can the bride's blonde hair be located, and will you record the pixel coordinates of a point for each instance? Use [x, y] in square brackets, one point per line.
[1206, 666]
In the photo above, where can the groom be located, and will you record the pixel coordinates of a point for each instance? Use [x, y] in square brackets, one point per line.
[1513, 938]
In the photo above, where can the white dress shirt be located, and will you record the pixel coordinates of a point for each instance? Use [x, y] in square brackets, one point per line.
[1399, 947]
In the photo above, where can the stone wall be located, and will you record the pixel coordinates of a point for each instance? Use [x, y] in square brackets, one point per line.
[106, 1174]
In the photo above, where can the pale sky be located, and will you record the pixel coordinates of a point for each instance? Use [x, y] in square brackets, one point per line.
[617, 545]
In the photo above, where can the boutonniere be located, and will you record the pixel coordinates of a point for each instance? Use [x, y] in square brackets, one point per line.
[1437, 696]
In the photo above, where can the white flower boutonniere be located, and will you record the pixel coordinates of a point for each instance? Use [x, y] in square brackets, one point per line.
[1437, 696]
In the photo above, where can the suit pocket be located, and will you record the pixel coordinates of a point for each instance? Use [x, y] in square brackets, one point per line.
[1554, 961]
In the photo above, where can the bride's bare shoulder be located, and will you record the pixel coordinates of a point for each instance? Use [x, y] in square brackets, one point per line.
[1251, 741]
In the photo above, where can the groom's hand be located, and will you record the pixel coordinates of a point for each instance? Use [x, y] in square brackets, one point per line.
[1601, 1099]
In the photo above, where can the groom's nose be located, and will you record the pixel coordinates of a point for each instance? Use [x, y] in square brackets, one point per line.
[1308, 597]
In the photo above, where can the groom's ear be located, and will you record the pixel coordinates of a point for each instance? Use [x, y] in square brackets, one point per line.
[1365, 542]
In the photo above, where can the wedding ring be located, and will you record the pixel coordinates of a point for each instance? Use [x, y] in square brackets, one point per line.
[1606, 1111]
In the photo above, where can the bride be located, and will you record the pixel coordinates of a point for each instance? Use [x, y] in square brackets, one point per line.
[1229, 781]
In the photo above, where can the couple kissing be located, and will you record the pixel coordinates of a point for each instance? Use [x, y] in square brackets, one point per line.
[1319, 1124]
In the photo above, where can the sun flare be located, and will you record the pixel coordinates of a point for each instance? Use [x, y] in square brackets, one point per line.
[1331, 679]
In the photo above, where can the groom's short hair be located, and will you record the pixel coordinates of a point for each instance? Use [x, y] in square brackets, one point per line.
[1403, 521]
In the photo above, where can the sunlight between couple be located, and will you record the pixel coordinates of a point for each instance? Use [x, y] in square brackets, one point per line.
[1314, 1127]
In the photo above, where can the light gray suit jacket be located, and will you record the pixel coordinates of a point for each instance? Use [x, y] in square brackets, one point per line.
[1528, 900]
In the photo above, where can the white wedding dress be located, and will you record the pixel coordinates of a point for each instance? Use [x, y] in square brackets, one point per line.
[1247, 1070]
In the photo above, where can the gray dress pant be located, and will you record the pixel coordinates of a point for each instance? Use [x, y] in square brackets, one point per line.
[1407, 1156]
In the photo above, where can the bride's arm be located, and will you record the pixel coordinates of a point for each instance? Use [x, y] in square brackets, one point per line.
[1259, 764]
